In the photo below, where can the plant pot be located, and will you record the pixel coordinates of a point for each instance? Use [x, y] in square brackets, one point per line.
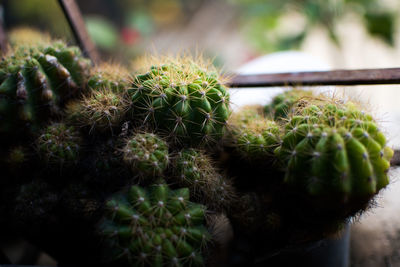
[329, 252]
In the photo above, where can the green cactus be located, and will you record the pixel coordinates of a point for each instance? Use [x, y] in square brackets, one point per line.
[100, 111]
[257, 139]
[155, 227]
[333, 149]
[59, 144]
[147, 154]
[194, 169]
[35, 82]
[110, 76]
[282, 104]
[183, 99]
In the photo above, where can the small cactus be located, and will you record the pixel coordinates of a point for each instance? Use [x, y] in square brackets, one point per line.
[146, 154]
[155, 227]
[110, 76]
[195, 170]
[184, 99]
[59, 144]
[99, 111]
[35, 82]
[335, 149]
[282, 104]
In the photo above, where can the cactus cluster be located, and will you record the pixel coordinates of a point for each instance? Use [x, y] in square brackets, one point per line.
[155, 227]
[292, 171]
[35, 83]
[184, 99]
[146, 154]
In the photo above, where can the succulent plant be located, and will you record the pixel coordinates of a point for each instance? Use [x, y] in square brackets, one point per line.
[282, 104]
[147, 154]
[184, 99]
[335, 149]
[100, 111]
[155, 226]
[59, 144]
[110, 76]
[194, 169]
[35, 82]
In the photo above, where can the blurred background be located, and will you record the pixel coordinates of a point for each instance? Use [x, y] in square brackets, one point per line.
[329, 34]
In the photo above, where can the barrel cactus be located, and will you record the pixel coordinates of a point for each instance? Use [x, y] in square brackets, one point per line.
[194, 169]
[100, 111]
[155, 226]
[59, 144]
[111, 76]
[184, 99]
[282, 104]
[147, 154]
[35, 83]
[335, 149]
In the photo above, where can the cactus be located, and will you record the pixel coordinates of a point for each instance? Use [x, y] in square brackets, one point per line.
[155, 227]
[35, 82]
[146, 154]
[185, 99]
[100, 111]
[59, 144]
[110, 76]
[194, 169]
[256, 139]
[282, 104]
[335, 149]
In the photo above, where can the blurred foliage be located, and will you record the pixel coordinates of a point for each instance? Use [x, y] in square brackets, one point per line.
[124, 28]
[46, 15]
[262, 20]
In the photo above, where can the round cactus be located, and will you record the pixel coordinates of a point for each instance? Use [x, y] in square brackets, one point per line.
[35, 82]
[59, 144]
[184, 99]
[194, 169]
[101, 110]
[110, 76]
[282, 104]
[146, 154]
[332, 149]
[256, 139]
[155, 227]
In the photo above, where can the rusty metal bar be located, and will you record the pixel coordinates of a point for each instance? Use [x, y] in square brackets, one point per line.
[78, 28]
[318, 78]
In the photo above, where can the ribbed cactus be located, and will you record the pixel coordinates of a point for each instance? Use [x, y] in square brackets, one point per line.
[147, 154]
[282, 104]
[154, 227]
[184, 99]
[110, 76]
[335, 149]
[256, 139]
[194, 169]
[59, 144]
[36, 81]
[100, 111]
